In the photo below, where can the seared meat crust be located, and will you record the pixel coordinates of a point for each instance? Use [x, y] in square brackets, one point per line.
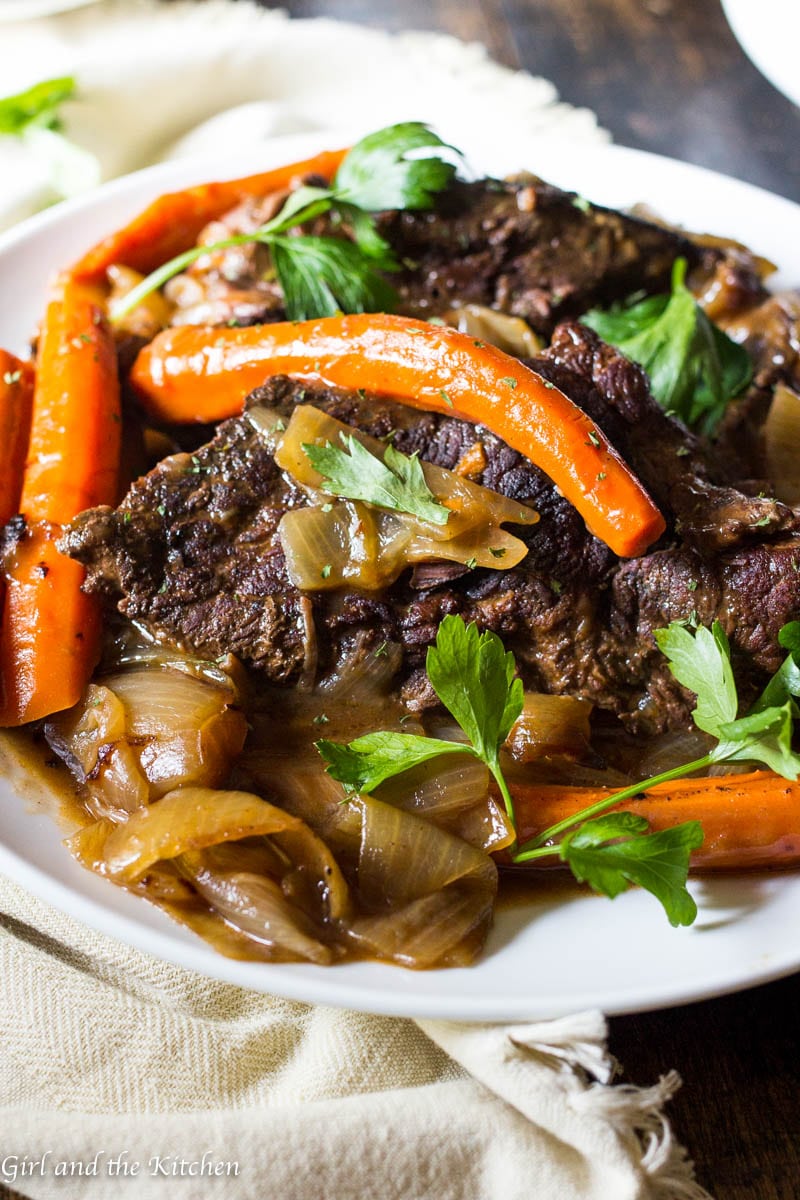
[192, 552]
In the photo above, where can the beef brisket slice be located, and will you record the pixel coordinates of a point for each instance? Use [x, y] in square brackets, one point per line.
[525, 247]
[520, 246]
[193, 553]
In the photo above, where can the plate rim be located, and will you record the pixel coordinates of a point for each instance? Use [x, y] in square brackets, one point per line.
[331, 985]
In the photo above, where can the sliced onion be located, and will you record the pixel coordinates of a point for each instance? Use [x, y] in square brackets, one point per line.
[119, 785]
[550, 726]
[256, 906]
[324, 549]
[79, 735]
[511, 334]
[447, 929]
[149, 317]
[439, 890]
[782, 444]
[185, 730]
[453, 793]
[469, 503]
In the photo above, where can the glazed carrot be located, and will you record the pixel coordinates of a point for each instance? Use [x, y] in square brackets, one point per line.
[49, 637]
[201, 374]
[16, 397]
[50, 629]
[750, 820]
[73, 454]
[173, 223]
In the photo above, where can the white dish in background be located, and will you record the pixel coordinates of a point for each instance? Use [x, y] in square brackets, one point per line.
[552, 955]
[24, 10]
[769, 33]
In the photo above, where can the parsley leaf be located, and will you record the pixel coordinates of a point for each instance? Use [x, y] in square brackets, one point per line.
[321, 276]
[396, 483]
[694, 368]
[702, 663]
[612, 851]
[474, 677]
[37, 107]
[399, 167]
[364, 764]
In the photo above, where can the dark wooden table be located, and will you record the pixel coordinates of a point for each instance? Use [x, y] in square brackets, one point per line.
[667, 76]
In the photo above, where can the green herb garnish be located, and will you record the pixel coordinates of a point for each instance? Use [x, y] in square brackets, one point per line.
[694, 368]
[402, 167]
[37, 107]
[474, 677]
[396, 483]
[33, 117]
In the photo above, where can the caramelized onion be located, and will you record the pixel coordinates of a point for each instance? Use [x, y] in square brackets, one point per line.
[469, 503]
[511, 334]
[439, 890]
[142, 733]
[782, 439]
[550, 726]
[186, 731]
[328, 545]
[453, 793]
[149, 317]
[256, 906]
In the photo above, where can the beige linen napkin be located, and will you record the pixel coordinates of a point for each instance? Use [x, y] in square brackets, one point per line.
[124, 1076]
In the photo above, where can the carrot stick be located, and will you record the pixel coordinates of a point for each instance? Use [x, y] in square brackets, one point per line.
[16, 397]
[200, 374]
[173, 223]
[50, 632]
[750, 820]
[73, 457]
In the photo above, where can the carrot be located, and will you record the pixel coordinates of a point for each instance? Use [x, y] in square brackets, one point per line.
[16, 396]
[750, 820]
[50, 630]
[173, 223]
[199, 374]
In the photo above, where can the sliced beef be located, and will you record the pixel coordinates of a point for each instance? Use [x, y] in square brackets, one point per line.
[192, 553]
[520, 246]
[525, 247]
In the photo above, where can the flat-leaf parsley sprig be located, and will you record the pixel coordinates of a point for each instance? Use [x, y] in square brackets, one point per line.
[701, 661]
[404, 166]
[474, 677]
[694, 367]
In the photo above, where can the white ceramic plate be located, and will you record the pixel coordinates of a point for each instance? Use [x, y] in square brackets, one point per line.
[769, 33]
[547, 957]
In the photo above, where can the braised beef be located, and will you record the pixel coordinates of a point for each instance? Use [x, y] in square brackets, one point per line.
[192, 553]
[521, 246]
